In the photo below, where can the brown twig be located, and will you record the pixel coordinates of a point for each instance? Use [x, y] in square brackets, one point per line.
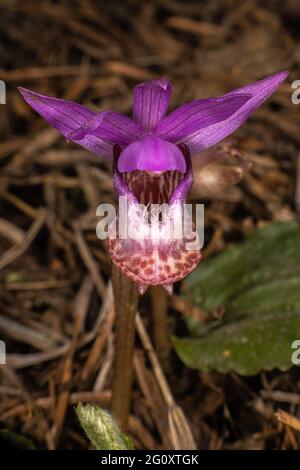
[288, 419]
[81, 305]
[179, 430]
[89, 261]
[92, 361]
[19, 248]
[102, 397]
[160, 324]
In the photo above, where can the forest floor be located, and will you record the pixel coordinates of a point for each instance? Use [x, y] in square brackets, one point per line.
[54, 270]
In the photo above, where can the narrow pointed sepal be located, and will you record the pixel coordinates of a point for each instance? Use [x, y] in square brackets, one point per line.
[168, 288]
[142, 288]
[66, 117]
[203, 123]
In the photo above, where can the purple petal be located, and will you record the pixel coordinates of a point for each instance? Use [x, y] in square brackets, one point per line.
[260, 91]
[150, 102]
[181, 191]
[120, 186]
[151, 154]
[109, 126]
[197, 115]
[66, 116]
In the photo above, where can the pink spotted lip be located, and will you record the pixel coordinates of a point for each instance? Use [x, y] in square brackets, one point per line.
[154, 263]
[153, 252]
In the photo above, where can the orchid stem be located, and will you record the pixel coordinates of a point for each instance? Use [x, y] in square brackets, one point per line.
[126, 302]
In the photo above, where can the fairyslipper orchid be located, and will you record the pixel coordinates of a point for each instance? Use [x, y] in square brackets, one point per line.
[152, 162]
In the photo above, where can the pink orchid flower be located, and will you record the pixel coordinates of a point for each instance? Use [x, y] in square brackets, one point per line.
[152, 154]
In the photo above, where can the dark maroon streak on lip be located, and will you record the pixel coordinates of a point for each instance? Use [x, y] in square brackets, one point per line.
[152, 160]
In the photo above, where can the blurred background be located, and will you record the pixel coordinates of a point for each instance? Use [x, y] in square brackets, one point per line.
[57, 316]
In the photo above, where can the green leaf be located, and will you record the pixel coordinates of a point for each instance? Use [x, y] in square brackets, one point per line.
[15, 441]
[257, 283]
[245, 346]
[101, 429]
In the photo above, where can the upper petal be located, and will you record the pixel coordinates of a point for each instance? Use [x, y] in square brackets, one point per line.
[151, 154]
[66, 116]
[213, 133]
[150, 102]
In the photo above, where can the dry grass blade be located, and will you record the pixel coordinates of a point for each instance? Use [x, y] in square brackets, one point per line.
[89, 261]
[179, 430]
[194, 27]
[45, 403]
[26, 335]
[180, 433]
[154, 407]
[284, 397]
[20, 204]
[141, 434]
[106, 366]
[81, 305]
[11, 231]
[107, 317]
[288, 419]
[159, 301]
[19, 248]
[39, 285]
[21, 361]
[186, 309]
